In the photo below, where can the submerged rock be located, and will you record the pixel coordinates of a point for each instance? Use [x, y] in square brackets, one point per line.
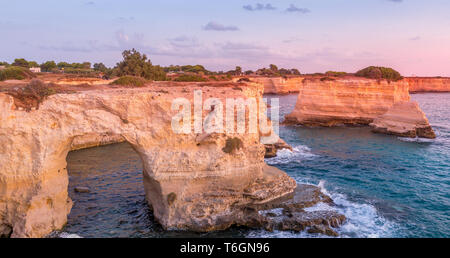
[288, 213]
[81, 189]
[272, 149]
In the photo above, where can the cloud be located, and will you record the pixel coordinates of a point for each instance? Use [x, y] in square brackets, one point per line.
[219, 27]
[233, 46]
[293, 9]
[184, 42]
[259, 7]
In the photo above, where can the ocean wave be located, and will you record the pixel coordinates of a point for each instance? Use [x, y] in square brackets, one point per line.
[286, 156]
[363, 220]
[68, 235]
[417, 139]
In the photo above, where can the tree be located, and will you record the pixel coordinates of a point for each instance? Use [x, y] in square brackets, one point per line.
[273, 68]
[375, 72]
[48, 66]
[20, 62]
[4, 63]
[248, 72]
[86, 65]
[32, 64]
[137, 64]
[295, 71]
[63, 65]
[238, 70]
[100, 67]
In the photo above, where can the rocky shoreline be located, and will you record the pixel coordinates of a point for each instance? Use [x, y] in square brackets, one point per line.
[192, 182]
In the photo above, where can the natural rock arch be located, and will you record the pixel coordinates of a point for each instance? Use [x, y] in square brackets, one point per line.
[190, 182]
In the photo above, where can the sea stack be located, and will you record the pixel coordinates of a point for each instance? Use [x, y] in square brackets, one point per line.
[360, 101]
[404, 119]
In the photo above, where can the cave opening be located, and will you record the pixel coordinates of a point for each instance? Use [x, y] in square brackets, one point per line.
[107, 190]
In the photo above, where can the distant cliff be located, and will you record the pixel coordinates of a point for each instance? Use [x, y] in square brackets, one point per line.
[280, 85]
[345, 101]
[351, 101]
[428, 84]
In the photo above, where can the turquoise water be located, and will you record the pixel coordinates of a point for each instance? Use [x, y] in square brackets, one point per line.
[406, 181]
[385, 185]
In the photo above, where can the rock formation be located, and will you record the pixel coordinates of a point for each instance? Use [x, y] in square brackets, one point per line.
[94, 140]
[279, 85]
[193, 181]
[290, 213]
[360, 102]
[346, 101]
[428, 84]
[404, 119]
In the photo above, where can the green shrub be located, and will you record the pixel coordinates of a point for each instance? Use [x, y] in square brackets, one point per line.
[38, 88]
[130, 81]
[137, 64]
[327, 79]
[15, 73]
[374, 72]
[171, 198]
[336, 74]
[245, 79]
[232, 144]
[81, 71]
[190, 78]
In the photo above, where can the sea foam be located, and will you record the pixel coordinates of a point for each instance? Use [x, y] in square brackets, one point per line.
[363, 220]
[286, 156]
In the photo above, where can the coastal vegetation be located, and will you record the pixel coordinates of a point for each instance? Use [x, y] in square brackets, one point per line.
[15, 73]
[335, 74]
[232, 144]
[32, 94]
[190, 78]
[137, 64]
[378, 73]
[273, 70]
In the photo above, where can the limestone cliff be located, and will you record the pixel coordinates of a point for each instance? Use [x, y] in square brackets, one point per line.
[94, 140]
[360, 102]
[280, 85]
[345, 101]
[196, 182]
[404, 119]
[428, 84]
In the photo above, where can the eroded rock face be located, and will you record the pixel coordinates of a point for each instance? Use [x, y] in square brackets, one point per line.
[190, 182]
[384, 105]
[272, 149]
[95, 140]
[424, 84]
[345, 101]
[404, 119]
[289, 213]
[280, 85]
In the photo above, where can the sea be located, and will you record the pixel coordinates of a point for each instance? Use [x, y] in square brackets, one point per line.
[386, 186]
